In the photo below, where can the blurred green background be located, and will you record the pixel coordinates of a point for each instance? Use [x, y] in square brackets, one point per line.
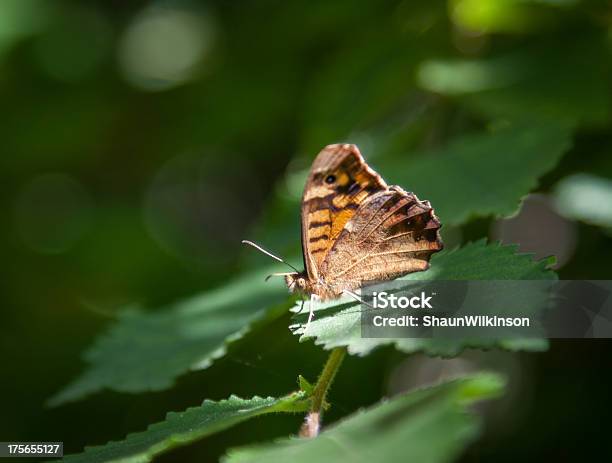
[141, 141]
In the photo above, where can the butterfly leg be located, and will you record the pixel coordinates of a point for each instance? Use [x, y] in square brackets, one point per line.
[357, 297]
[313, 298]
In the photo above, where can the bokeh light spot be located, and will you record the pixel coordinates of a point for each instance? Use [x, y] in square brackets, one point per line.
[463, 76]
[585, 197]
[163, 47]
[186, 216]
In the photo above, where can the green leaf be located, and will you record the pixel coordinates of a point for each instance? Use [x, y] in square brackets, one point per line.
[338, 323]
[305, 385]
[182, 428]
[147, 351]
[429, 425]
[484, 174]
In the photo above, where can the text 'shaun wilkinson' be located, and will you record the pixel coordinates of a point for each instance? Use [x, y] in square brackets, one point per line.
[384, 300]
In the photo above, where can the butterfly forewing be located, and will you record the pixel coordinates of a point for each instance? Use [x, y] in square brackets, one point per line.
[338, 183]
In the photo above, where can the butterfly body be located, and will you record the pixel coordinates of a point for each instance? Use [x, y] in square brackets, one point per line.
[357, 229]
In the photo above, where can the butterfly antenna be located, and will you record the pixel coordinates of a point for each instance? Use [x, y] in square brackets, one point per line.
[268, 253]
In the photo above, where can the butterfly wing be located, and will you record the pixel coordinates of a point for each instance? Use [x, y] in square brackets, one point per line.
[391, 234]
[338, 183]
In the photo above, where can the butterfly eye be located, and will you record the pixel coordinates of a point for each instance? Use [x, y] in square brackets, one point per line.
[330, 179]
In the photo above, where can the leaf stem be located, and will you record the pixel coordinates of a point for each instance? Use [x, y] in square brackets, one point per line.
[312, 423]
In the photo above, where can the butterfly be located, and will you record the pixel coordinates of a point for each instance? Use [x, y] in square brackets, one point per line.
[356, 229]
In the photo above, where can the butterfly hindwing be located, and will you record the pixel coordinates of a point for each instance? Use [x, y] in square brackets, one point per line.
[391, 234]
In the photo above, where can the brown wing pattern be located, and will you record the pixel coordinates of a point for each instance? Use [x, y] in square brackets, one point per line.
[393, 233]
[338, 183]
